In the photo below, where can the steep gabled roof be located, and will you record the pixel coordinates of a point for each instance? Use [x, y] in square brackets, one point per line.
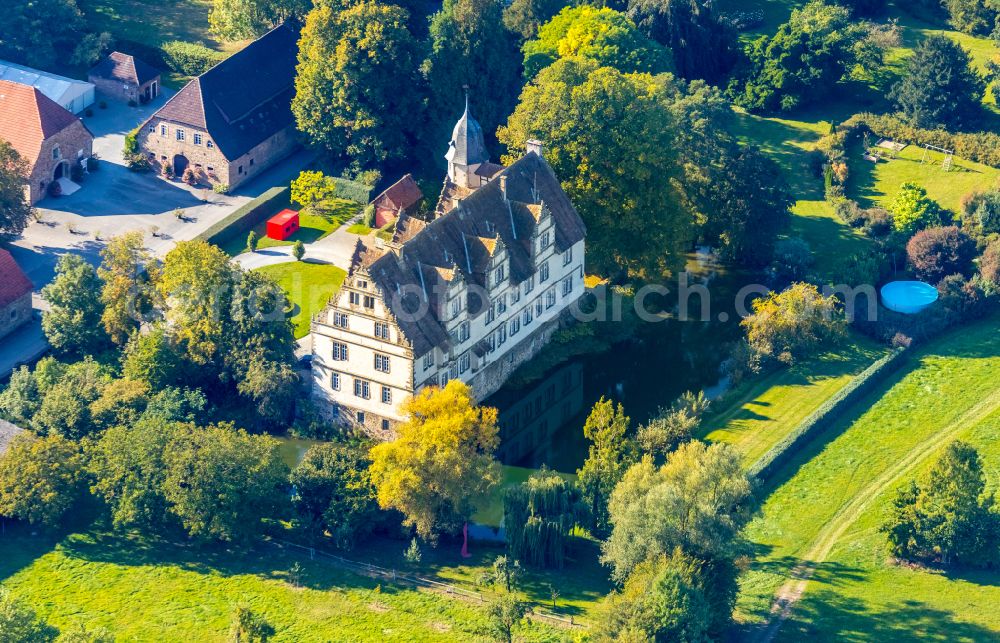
[125, 68]
[28, 117]
[246, 98]
[401, 195]
[461, 243]
[14, 284]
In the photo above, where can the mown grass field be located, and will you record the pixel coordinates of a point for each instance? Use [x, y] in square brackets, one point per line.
[760, 413]
[154, 22]
[309, 287]
[157, 591]
[826, 505]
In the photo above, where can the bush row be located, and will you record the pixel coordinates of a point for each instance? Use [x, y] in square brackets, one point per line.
[352, 190]
[187, 58]
[830, 411]
[981, 147]
[245, 217]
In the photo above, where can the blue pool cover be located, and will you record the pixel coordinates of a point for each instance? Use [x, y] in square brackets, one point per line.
[908, 297]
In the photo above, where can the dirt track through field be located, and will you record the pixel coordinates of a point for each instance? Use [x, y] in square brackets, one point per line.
[793, 589]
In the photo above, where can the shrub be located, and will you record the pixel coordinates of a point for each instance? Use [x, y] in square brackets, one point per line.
[298, 250]
[937, 252]
[368, 216]
[55, 189]
[189, 176]
[987, 213]
[93, 163]
[353, 190]
[76, 172]
[189, 58]
[989, 264]
[791, 324]
[912, 209]
[792, 258]
[220, 188]
[311, 186]
[168, 170]
[244, 218]
[138, 163]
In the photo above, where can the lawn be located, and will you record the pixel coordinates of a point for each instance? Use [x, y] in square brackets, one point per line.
[757, 415]
[313, 226]
[827, 503]
[159, 591]
[877, 184]
[359, 229]
[154, 22]
[309, 287]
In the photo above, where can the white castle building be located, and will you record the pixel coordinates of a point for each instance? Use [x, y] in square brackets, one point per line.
[470, 295]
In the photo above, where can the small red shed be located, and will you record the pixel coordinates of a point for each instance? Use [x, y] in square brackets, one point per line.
[283, 225]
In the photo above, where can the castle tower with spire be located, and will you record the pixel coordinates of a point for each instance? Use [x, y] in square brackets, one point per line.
[466, 151]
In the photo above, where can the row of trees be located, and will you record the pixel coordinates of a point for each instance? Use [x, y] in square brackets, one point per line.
[194, 319]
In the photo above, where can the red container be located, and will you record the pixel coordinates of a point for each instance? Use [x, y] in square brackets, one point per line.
[283, 225]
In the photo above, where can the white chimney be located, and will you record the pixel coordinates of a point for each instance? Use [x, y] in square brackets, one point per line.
[534, 145]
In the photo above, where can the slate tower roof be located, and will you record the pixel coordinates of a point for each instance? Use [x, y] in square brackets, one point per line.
[467, 146]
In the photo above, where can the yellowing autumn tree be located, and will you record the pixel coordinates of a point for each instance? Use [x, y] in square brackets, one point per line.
[441, 465]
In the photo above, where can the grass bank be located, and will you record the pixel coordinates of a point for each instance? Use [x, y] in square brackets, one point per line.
[827, 503]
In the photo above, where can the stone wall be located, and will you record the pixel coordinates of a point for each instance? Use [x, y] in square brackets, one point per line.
[209, 163]
[122, 91]
[15, 314]
[74, 143]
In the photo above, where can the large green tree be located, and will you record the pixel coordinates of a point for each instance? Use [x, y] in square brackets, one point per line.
[977, 17]
[605, 36]
[469, 47]
[15, 210]
[37, 32]
[939, 86]
[440, 467]
[220, 482]
[609, 457]
[612, 140]
[539, 515]
[700, 45]
[334, 492]
[699, 500]
[951, 517]
[357, 84]
[66, 403]
[243, 19]
[804, 61]
[524, 17]
[129, 274]
[72, 324]
[41, 479]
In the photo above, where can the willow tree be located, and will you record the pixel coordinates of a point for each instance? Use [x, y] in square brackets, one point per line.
[539, 515]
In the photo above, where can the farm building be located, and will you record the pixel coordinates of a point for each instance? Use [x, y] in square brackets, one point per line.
[125, 78]
[73, 95]
[400, 198]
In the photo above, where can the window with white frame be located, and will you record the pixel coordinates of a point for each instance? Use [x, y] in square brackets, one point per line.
[197, 138]
[362, 388]
[180, 134]
[501, 304]
[386, 395]
[490, 315]
[529, 284]
[339, 351]
[567, 285]
[381, 362]
[456, 306]
[515, 296]
[463, 363]
[498, 276]
[163, 130]
[568, 256]
[502, 335]
[546, 239]
[463, 332]
[538, 307]
[543, 272]
[355, 298]
[56, 153]
[382, 330]
[515, 326]
[152, 128]
[209, 144]
[527, 315]
[550, 298]
[340, 320]
[369, 301]
[429, 360]
[361, 283]
[335, 381]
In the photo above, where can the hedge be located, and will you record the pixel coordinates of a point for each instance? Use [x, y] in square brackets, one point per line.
[352, 190]
[826, 414]
[980, 147]
[189, 58]
[245, 217]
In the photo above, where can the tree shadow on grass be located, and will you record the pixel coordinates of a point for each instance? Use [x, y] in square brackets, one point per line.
[828, 616]
[20, 546]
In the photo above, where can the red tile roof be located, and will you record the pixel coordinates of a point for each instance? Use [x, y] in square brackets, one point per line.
[401, 194]
[14, 284]
[28, 117]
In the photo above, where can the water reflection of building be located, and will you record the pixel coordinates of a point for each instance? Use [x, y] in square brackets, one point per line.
[530, 417]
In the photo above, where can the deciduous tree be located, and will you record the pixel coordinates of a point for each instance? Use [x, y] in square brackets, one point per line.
[441, 464]
[936, 253]
[357, 83]
[36, 32]
[41, 479]
[129, 274]
[609, 458]
[72, 324]
[524, 17]
[15, 210]
[18, 621]
[913, 210]
[245, 19]
[700, 45]
[786, 326]
[612, 140]
[539, 515]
